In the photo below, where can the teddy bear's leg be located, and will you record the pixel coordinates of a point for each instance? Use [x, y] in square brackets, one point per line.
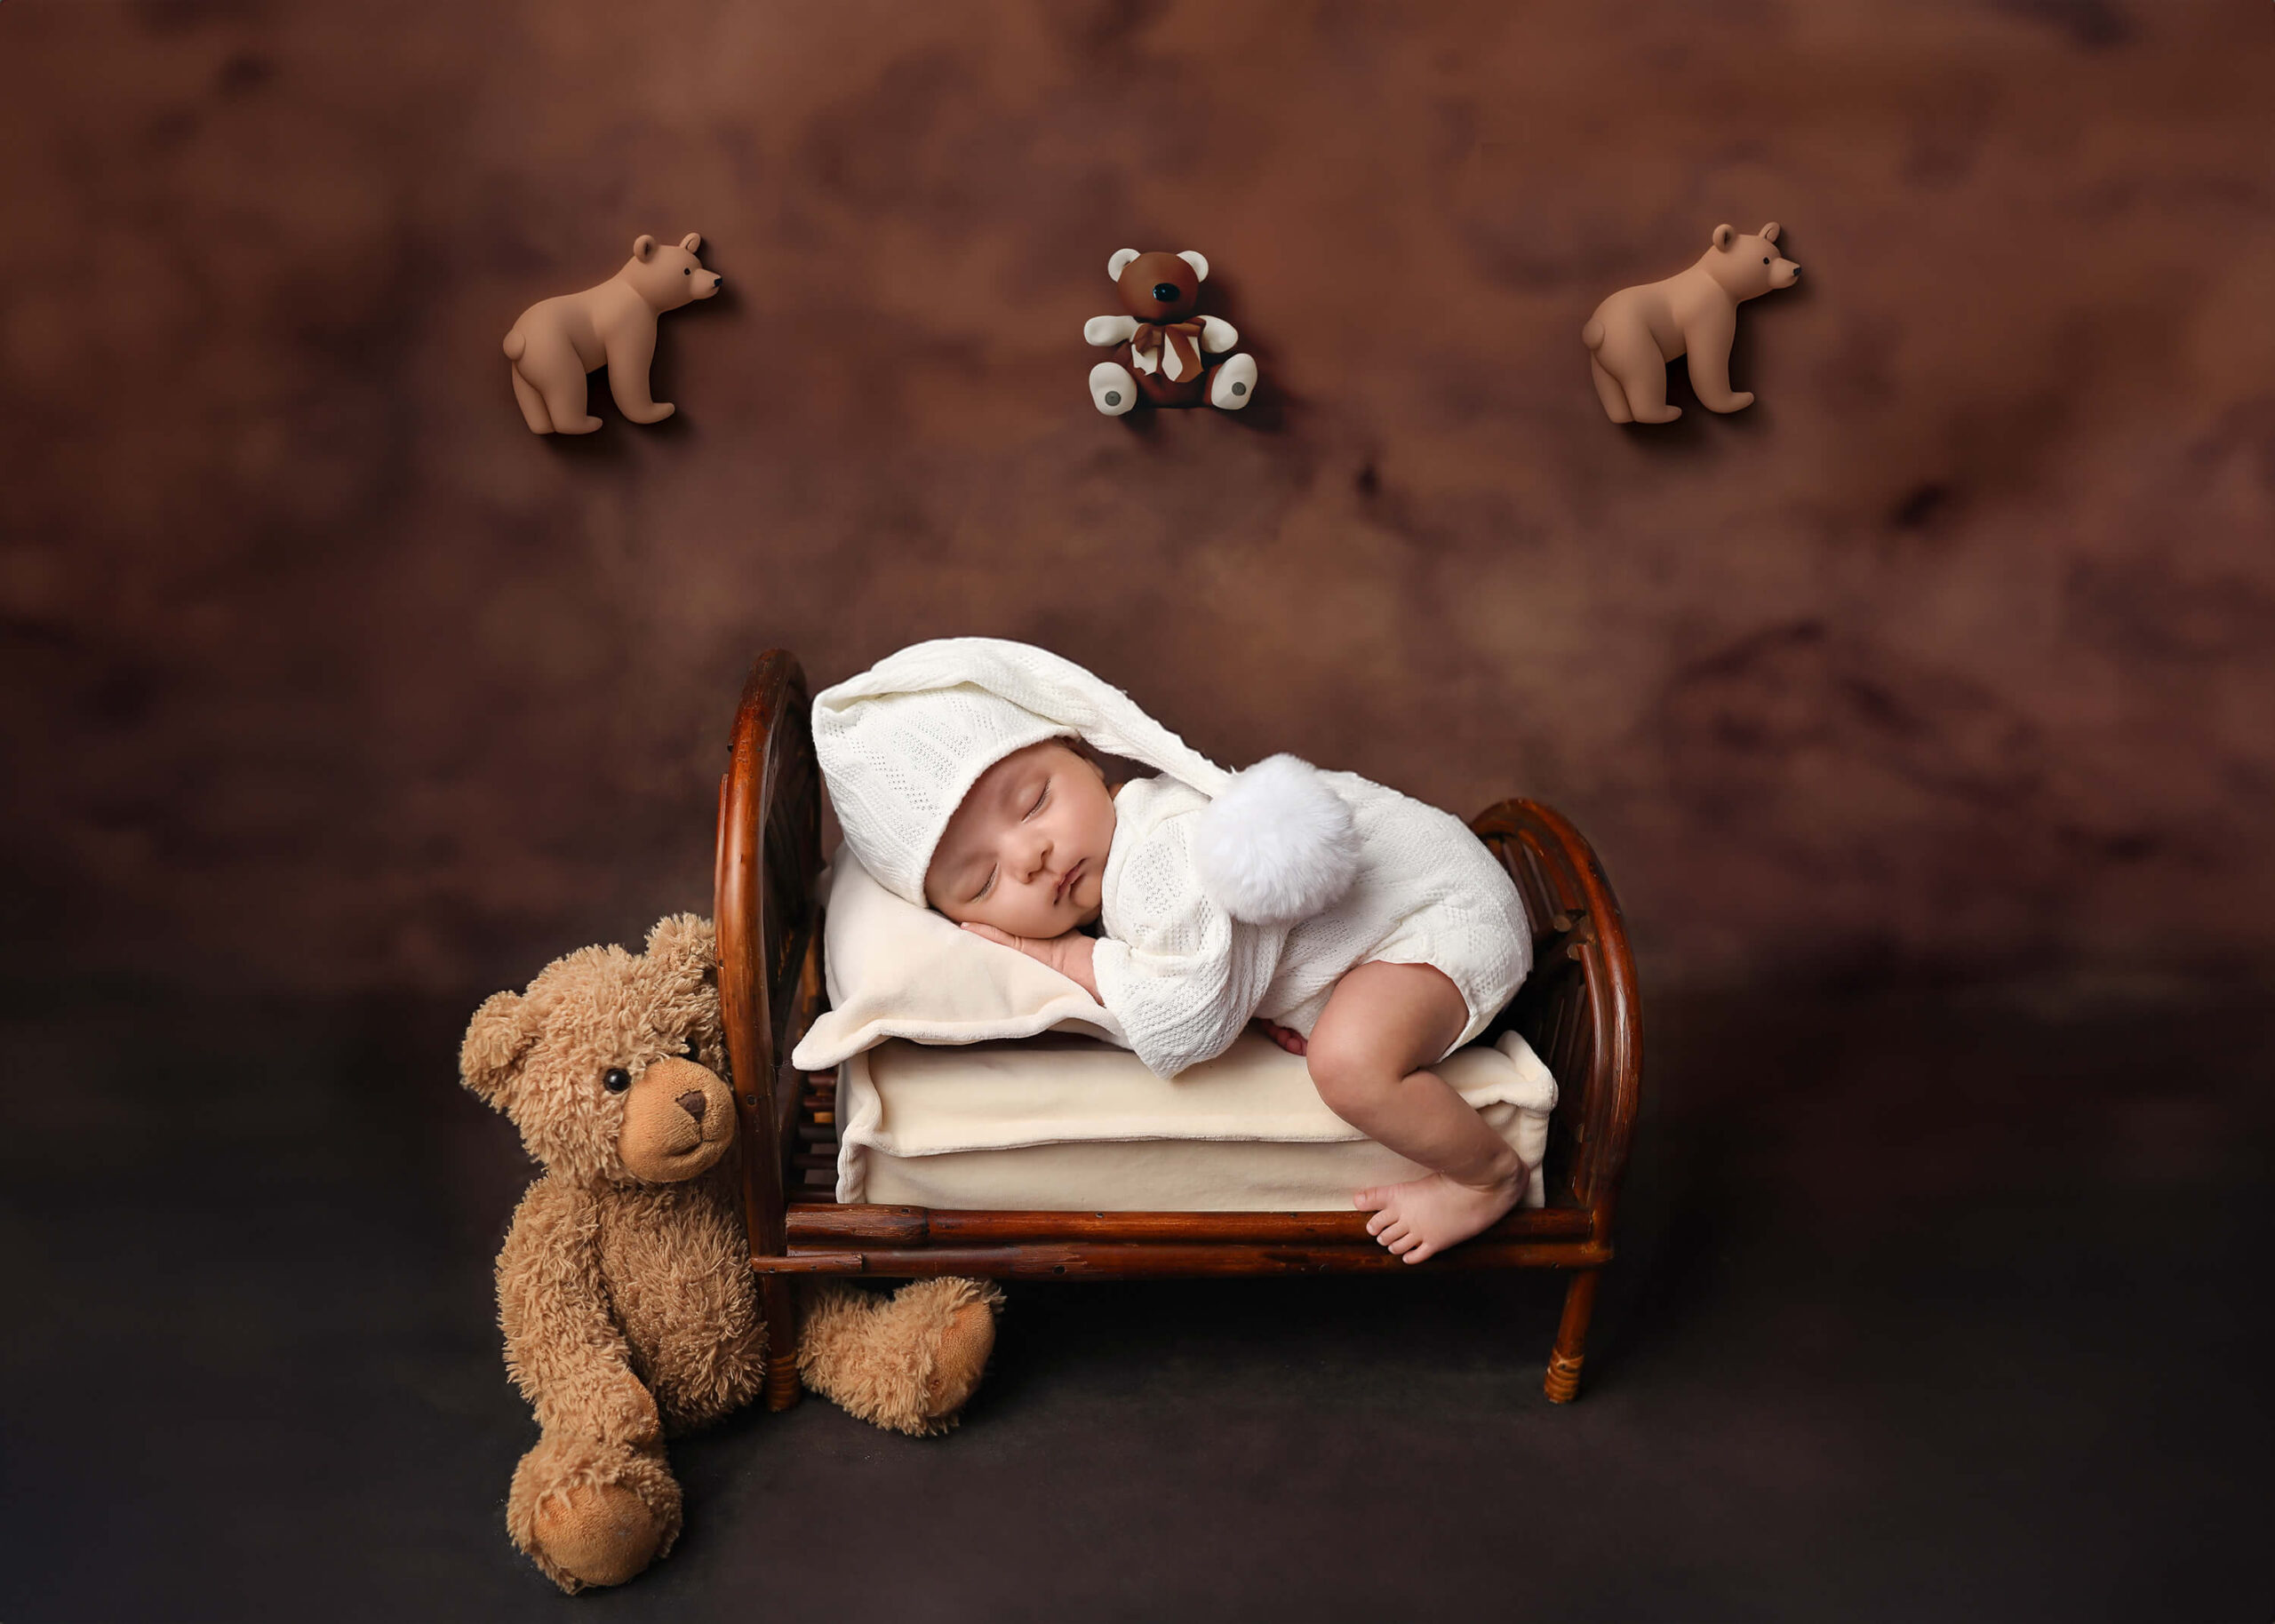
[1232, 385]
[551, 364]
[591, 1513]
[1607, 391]
[1113, 391]
[908, 1362]
[1642, 373]
[531, 402]
[1708, 342]
[631, 352]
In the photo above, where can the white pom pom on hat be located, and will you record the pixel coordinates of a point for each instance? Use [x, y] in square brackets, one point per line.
[1278, 846]
[900, 744]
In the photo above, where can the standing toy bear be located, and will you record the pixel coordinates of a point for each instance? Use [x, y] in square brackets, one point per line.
[625, 1287]
[1163, 343]
[1634, 333]
[557, 341]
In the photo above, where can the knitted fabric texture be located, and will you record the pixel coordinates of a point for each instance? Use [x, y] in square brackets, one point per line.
[903, 742]
[1183, 976]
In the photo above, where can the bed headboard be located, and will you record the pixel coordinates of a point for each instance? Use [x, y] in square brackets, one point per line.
[768, 855]
[1580, 1009]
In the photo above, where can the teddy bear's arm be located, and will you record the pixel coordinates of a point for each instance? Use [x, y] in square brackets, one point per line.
[1217, 335]
[1105, 330]
[562, 1347]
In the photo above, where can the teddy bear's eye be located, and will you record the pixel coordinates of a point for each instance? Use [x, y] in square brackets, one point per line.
[616, 1079]
[689, 270]
[1765, 262]
[694, 1050]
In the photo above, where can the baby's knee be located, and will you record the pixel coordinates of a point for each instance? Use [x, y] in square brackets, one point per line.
[1343, 1073]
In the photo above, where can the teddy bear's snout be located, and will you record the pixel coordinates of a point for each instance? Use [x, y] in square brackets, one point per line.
[694, 1103]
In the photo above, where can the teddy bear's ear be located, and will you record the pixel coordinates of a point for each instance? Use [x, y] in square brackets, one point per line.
[1121, 256]
[693, 242]
[1724, 237]
[643, 246]
[499, 1034]
[683, 943]
[1770, 232]
[1200, 265]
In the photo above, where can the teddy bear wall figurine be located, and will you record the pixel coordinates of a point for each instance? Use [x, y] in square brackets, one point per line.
[1634, 333]
[1164, 344]
[557, 341]
[625, 1289]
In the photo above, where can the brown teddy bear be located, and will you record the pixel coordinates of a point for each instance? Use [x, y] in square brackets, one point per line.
[1164, 344]
[625, 1287]
[558, 340]
[1634, 333]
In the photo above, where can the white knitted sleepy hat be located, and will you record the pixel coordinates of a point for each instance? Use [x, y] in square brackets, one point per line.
[901, 745]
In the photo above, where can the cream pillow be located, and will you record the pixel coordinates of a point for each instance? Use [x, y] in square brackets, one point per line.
[896, 970]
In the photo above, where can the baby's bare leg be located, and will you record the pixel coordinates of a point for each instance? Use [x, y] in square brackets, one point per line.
[1383, 1026]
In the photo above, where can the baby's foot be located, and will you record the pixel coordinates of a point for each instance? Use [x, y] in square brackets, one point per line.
[1285, 1037]
[1419, 1219]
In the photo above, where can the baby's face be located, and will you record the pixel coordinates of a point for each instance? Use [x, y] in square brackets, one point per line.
[1026, 850]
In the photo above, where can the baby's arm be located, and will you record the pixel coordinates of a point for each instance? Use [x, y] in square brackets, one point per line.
[1072, 955]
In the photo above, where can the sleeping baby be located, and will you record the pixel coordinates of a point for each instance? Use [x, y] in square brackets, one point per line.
[1365, 931]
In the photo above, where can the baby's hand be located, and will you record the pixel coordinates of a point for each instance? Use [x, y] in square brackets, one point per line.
[1070, 955]
[1286, 1036]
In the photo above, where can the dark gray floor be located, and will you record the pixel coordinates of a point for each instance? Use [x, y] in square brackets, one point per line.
[1926, 1309]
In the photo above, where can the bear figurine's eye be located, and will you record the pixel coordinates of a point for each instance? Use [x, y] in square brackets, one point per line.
[616, 1079]
[1765, 262]
[689, 270]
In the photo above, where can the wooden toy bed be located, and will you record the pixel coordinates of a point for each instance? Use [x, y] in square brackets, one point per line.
[1579, 1011]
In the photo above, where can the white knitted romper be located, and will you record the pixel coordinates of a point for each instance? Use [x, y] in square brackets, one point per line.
[1183, 977]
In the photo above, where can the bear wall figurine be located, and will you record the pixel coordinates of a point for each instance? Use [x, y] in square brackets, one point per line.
[558, 340]
[625, 1289]
[1634, 333]
[1165, 347]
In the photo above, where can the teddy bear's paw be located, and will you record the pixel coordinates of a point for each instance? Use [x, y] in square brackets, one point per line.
[592, 1513]
[1233, 385]
[1113, 391]
[960, 1358]
[906, 1363]
[599, 1535]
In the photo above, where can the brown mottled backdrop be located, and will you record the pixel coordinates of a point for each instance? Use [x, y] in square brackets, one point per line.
[1951, 655]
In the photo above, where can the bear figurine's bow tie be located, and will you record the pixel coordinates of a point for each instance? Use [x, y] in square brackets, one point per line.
[1182, 340]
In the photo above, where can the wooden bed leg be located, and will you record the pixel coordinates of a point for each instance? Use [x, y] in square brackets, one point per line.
[777, 1301]
[1563, 1384]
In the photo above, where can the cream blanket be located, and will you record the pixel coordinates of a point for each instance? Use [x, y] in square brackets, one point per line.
[1067, 1124]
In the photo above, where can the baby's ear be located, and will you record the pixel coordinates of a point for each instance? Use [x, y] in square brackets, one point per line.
[683, 945]
[499, 1034]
